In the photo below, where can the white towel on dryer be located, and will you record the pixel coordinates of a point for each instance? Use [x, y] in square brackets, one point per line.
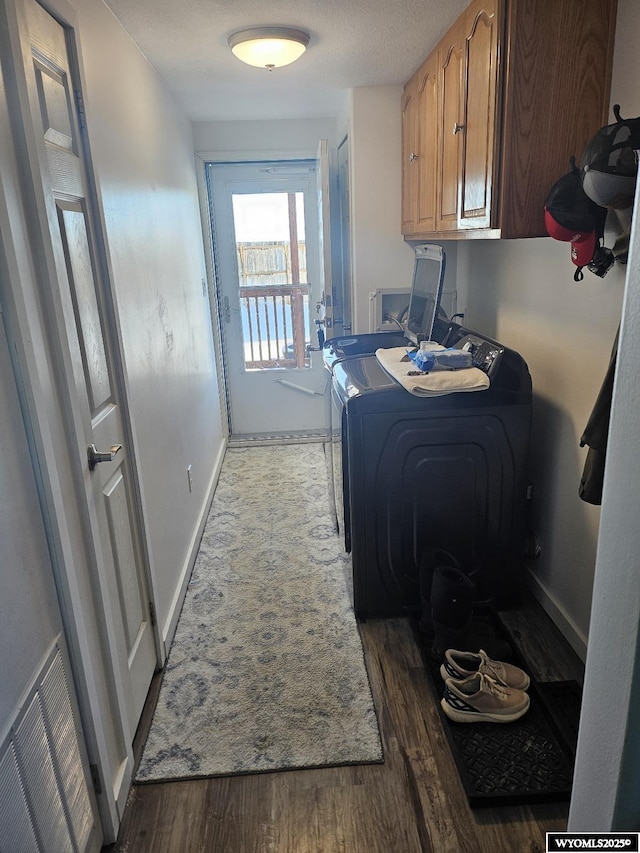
[436, 383]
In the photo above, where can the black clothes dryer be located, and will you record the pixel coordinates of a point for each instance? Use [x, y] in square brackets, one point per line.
[445, 471]
[336, 350]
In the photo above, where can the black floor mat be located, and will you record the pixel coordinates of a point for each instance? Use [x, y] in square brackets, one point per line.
[527, 761]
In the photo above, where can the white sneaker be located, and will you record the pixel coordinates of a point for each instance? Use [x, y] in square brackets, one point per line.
[460, 665]
[480, 699]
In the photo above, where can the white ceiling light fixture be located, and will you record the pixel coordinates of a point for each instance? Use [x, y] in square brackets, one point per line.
[269, 47]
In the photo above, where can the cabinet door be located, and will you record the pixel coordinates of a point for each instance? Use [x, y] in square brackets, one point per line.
[426, 164]
[477, 136]
[409, 157]
[450, 61]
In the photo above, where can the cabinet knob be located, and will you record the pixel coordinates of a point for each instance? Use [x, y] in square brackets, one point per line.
[413, 156]
[457, 128]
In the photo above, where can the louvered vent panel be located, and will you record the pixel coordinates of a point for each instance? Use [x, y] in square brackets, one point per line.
[64, 746]
[45, 804]
[16, 832]
[34, 757]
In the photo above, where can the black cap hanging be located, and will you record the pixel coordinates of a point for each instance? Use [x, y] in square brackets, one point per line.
[572, 217]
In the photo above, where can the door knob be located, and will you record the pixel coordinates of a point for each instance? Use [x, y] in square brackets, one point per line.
[457, 128]
[94, 456]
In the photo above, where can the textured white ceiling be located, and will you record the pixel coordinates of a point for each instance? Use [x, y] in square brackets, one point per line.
[353, 43]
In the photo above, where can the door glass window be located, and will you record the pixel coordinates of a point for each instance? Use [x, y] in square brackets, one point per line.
[272, 279]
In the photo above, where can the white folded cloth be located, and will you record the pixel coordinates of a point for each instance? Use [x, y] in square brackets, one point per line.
[432, 384]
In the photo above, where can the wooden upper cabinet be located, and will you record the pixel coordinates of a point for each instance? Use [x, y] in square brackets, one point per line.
[519, 86]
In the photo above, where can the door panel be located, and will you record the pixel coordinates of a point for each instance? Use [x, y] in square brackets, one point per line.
[80, 274]
[425, 202]
[451, 64]
[95, 415]
[54, 106]
[479, 120]
[409, 158]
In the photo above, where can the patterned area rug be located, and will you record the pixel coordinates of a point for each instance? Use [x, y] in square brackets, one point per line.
[266, 670]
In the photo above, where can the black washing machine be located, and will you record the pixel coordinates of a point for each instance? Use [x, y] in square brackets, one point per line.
[446, 471]
[354, 346]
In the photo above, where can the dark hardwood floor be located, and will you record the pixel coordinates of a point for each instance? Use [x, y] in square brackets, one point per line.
[413, 803]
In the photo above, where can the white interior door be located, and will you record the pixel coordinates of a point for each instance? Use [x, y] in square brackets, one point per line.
[265, 225]
[78, 323]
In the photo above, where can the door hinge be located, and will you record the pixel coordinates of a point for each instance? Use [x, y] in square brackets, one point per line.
[80, 107]
[95, 778]
[152, 613]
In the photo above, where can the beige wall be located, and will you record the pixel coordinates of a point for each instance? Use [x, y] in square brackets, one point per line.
[237, 140]
[379, 256]
[522, 293]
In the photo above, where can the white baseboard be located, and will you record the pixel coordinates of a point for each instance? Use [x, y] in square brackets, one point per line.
[171, 623]
[567, 627]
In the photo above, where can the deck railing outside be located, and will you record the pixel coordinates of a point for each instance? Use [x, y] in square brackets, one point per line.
[274, 321]
[274, 311]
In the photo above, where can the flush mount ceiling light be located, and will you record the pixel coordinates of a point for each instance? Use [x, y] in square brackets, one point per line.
[269, 47]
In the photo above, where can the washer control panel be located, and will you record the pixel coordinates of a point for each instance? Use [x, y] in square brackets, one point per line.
[485, 353]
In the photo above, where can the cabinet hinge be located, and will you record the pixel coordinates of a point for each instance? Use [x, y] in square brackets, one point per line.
[80, 108]
[95, 778]
[152, 613]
